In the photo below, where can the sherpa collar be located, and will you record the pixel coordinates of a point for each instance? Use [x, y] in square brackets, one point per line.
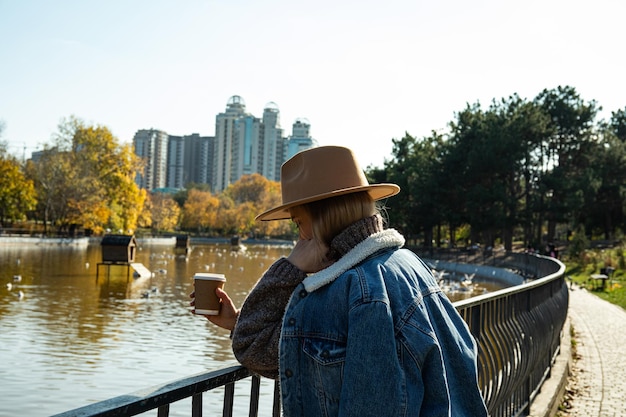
[386, 239]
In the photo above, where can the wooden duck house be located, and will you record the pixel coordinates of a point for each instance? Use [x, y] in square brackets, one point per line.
[121, 250]
[118, 249]
[182, 244]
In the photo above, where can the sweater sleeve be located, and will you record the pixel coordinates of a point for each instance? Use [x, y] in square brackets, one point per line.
[257, 332]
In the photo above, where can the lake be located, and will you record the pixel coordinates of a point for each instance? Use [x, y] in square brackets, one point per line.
[73, 333]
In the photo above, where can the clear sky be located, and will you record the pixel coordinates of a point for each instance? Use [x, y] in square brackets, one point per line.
[362, 72]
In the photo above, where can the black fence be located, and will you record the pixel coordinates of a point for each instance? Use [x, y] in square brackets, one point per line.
[518, 331]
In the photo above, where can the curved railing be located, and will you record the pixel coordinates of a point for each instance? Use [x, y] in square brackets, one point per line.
[518, 331]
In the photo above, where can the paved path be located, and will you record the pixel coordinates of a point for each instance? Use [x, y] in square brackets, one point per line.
[597, 387]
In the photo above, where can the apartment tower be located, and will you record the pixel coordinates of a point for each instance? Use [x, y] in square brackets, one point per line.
[225, 138]
[189, 159]
[151, 146]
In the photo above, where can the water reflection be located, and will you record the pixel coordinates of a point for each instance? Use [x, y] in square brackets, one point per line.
[83, 333]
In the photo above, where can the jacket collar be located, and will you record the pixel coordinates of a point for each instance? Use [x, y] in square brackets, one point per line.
[385, 239]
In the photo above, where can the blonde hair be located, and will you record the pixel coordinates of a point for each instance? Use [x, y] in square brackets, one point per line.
[332, 215]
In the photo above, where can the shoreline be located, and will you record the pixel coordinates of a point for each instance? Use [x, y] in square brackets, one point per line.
[166, 241]
[41, 241]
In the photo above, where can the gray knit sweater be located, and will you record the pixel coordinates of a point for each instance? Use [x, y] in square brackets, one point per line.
[257, 332]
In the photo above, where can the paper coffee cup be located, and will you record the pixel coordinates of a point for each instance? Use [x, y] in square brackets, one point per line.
[206, 301]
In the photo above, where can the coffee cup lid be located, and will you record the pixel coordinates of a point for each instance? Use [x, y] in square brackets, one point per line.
[209, 276]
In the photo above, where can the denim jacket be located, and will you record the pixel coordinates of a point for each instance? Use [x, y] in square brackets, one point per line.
[373, 335]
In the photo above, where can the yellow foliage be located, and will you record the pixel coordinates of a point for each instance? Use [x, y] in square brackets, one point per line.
[87, 178]
[165, 212]
[91, 214]
[17, 193]
[200, 210]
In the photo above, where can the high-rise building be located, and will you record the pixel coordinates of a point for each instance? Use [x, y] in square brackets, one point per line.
[199, 159]
[271, 143]
[245, 150]
[225, 137]
[300, 138]
[151, 146]
[243, 145]
[189, 159]
[175, 162]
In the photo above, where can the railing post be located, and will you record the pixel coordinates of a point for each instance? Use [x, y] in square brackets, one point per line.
[254, 396]
[276, 408]
[529, 377]
[475, 322]
[163, 411]
[196, 405]
[229, 399]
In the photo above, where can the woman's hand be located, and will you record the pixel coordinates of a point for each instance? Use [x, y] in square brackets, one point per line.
[227, 318]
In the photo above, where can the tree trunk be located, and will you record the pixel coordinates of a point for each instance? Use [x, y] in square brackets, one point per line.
[508, 239]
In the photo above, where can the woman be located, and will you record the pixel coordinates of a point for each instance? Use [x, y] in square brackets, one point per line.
[350, 323]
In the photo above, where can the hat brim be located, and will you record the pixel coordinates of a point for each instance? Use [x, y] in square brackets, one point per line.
[376, 191]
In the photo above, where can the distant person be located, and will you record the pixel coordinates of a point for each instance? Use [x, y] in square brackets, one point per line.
[551, 250]
[350, 323]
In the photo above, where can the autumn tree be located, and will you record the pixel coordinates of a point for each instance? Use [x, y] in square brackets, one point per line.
[145, 217]
[53, 178]
[17, 193]
[200, 211]
[243, 218]
[249, 188]
[245, 199]
[226, 223]
[87, 178]
[165, 212]
[232, 211]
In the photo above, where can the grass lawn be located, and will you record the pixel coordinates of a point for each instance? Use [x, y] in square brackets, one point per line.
[580, 269]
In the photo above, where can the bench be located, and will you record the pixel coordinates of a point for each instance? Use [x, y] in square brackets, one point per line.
[601, 278]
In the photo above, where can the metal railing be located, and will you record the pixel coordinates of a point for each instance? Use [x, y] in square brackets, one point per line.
[518, 331]
[162, 396]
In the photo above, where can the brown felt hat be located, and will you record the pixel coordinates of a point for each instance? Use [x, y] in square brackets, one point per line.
[319, 173]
